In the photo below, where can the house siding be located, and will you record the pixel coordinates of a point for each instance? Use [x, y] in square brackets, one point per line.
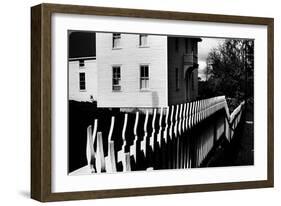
[129, 57]
[90, 70]
[175, 60]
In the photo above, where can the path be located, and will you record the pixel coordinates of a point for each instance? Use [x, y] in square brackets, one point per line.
[241, 150]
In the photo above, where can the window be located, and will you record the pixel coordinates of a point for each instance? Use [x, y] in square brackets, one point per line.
[116, 40]
[177, 79]
[116, 78]
[82, 81]
[177, 44]
[143, 40]
[144, 77]
[81, 63]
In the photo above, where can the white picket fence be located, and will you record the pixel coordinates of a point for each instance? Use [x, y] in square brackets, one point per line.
[181, 136]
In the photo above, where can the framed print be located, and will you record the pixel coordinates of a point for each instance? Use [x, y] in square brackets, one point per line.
[130, 102]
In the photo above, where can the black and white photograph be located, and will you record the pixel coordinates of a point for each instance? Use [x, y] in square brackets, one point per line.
[145, 102]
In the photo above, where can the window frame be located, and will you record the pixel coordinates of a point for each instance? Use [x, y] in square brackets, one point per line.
[80, 81]
[116, 77]
[145, 78]
[140, 40]
[116, 36]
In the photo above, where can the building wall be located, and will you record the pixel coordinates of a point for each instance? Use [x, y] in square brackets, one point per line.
[195, 79]
[91, 72]
[129, 57]
[185, 92]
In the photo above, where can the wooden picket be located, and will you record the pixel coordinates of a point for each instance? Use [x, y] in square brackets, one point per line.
[110, 159]
[133, 147]
[100, 159]
[122, 155]
[90, 153]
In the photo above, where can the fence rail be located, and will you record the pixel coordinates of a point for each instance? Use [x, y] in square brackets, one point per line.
[179, 136]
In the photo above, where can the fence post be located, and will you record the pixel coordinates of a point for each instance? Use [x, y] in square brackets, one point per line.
[169, 142]
[184, 117]
[122, 155]
[100, 161]
[190, 115]
[166, 125]
[186, 137]
[164, 145]
[110, 161]
[175, 139]
[151, 139]
[159, 135]
[143, 143]
[176, 121]
[187, 116]
[196, 112]
[94, 134]
[180, 120]
[133, 147]
[90, 153]
[182, 137]
[158, 145]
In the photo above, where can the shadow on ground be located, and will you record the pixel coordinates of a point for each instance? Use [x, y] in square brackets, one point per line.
[240, 151]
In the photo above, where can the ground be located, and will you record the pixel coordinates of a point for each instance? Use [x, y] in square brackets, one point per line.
[241, 150]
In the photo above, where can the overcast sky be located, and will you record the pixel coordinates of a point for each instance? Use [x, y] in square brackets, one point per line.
[204, 48]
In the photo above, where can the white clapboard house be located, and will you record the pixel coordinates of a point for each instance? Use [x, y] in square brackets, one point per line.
[136, 70]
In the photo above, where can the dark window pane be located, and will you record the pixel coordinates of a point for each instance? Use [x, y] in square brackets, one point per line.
[146, 71]
[144, 76]
[82, 76]
[116, 77]
[82, 83]
[142, 71]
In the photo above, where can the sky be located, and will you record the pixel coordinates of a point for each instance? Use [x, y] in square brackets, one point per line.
[204, 48]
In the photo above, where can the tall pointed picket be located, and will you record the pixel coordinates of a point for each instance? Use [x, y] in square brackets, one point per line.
[123, 155]
[100, 160]
[90, 153]
[110, 160]
[133, 147]
[152, 137]
[144, 141]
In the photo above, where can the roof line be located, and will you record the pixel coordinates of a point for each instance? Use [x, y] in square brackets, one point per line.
[81, 58]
